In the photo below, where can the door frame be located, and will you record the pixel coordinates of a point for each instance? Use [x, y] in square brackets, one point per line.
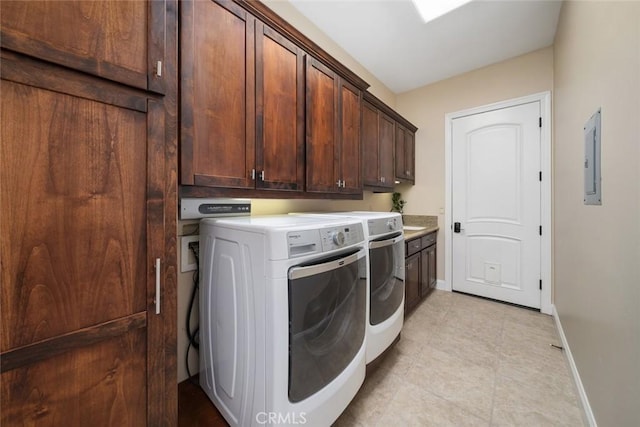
[545, 191]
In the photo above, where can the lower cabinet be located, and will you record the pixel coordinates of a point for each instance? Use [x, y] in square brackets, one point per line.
[411, 282]
[420, 269]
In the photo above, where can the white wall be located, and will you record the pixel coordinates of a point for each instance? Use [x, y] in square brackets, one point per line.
[426, 108]
[597, 248]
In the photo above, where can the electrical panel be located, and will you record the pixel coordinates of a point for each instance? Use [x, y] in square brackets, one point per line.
[592, 177]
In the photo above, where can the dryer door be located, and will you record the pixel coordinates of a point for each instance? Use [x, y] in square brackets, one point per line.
[386, 259]
[326, 320]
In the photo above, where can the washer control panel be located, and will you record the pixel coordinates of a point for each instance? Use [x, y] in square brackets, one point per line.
[308, 242]
[338, 237]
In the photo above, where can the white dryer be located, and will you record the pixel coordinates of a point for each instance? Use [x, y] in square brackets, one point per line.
[282, 317]
[385, 278]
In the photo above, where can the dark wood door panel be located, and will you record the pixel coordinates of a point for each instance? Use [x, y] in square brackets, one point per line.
[98, 385]
[218, 94]
[322, 137]
[104, 38]
[279, 112]
[370, 172]
[350, 147]
[412, 282]
[73, 193]
[400, 166]
[386, 133]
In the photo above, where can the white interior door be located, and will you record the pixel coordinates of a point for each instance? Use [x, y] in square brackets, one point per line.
[496, 204]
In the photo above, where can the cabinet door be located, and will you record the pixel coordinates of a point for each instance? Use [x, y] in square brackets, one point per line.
[425, 284]
[412, 282]
[405, 162]
[385, 145]
[400, 157]
[279, 112]
[433, 262]
[370, 145]
[218, 94]
[350, 145]
[118, 40]
[409, 151]
[82, 226]
[322, 138]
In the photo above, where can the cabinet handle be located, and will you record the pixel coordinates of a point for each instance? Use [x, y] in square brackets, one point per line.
[159, 69]
[253, 174]
[382, 179]
[339, 183]
[262, 175]
[157, 285]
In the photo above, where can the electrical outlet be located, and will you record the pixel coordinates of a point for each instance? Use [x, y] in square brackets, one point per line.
[187, 259]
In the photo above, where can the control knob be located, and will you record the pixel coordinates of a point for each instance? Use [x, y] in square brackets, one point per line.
[391, 224]
[338, 238]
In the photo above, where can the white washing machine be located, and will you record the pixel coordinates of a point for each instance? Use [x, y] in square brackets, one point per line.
[282, 317]
[385, 278]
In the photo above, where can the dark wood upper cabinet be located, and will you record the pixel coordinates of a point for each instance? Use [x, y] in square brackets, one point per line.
[123, 41]
[405, 154]
[217, 94]
[242, 101]
[279, 112]
[332, 132]
[378, 133]
[350, 142]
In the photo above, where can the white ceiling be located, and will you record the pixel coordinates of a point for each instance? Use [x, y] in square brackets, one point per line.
[389, 38]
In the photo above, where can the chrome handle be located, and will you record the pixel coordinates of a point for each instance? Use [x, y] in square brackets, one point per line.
[388, 242]
[157, 285]
[311, 270]
[253, 174]
[262, 175]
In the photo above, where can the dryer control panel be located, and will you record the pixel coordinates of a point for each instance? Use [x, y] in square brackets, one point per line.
[381, 226]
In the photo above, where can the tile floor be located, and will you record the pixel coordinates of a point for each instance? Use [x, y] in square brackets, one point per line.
[466, 361]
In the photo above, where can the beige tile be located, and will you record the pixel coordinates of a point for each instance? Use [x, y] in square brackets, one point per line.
[468, 385]
[414, 406]
[464, 361]
[525, 403]
[373, 397]
[469, 346]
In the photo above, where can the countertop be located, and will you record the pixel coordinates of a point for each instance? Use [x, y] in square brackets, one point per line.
[429, 222]
[413, 234]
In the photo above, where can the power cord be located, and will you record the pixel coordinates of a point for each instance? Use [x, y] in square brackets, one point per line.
[193, 335]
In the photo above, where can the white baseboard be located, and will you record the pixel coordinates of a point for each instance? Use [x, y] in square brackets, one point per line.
[442, 285]
[584, 400]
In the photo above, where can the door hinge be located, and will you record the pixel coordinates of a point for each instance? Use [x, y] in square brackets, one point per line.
[540, 121]
[540, 230]
[540, 176]
[540, 284]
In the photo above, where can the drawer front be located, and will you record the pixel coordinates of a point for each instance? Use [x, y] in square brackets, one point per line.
[429, 239]
[413, 246]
